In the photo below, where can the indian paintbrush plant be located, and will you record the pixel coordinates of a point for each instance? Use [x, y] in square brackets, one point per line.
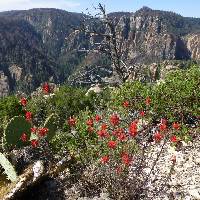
[117, 140]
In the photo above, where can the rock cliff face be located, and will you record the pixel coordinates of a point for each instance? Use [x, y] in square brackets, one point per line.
[153, 36]
[193, 45]
[39, 45]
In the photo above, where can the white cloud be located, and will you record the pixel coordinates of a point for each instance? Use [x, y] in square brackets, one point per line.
[27, 4]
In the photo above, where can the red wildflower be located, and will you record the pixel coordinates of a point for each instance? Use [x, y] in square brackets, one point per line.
[126, 159]
[112, 144]
[163, 121]
[33, 130]
[97, 118]
[133, 129]
[163, 127]
[34, 143]
[43, 131]
[105, 159]
[119, 131]
[125, 104]
[176, 125]
[142, 113]
[104, 126]
[114, 119]
[24, 137]
[23, 101]
[102, 133]
[28, 116]
[158, 136]
[90, 129]
[115, 133]
[174, 139]
[46, 88]
[148, 101]
[72, 121]
[121, 137]
[90, 122]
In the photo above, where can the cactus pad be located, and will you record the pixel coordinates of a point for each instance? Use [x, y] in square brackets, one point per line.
[8, 168]
[14, 130]
[51, 123]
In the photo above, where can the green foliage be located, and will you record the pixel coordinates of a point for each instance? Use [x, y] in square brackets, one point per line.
[41, 108]
[51, 123]
[178, 94]
[66, 102]
[134, 92]
[8, 168]
[14, 130]
[10, 107]
[70, 101]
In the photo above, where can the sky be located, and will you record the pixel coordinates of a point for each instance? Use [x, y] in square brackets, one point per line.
[187, 8]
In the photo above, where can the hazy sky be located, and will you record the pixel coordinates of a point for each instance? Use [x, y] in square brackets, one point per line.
[184, 7]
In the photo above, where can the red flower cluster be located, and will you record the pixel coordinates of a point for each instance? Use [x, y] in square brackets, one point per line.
[102, 133]
[105, 159]
[114, 119]
[90, 129]
[46, 88]
[176, 125]
[24, 137]
[34, 143]
[125, 104]
[33, 130]
[97, 118]
[120, 134]
[163, 125]
[133, 128]
[104, 126]
[112, 144]
[28, 116]
[163, 121]
[23, 101]
[90, 122]
[158, 136]
[126, 158]
[72, 121]
[42, 131]
[174, 139]
[142, 113]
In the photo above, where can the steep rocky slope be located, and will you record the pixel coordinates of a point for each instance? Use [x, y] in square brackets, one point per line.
[23, 61]
[39, 44]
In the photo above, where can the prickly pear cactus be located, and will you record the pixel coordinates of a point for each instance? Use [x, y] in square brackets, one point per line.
[51, 123]
[14, 130]
[8, 168]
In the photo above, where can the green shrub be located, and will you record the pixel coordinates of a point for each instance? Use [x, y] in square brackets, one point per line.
[9, 107]
[177, 96]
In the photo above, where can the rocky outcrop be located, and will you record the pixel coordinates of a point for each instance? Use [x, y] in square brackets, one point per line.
[193, 45]
[4, 85]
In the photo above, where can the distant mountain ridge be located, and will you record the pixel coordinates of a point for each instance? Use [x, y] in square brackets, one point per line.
[39, 45]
